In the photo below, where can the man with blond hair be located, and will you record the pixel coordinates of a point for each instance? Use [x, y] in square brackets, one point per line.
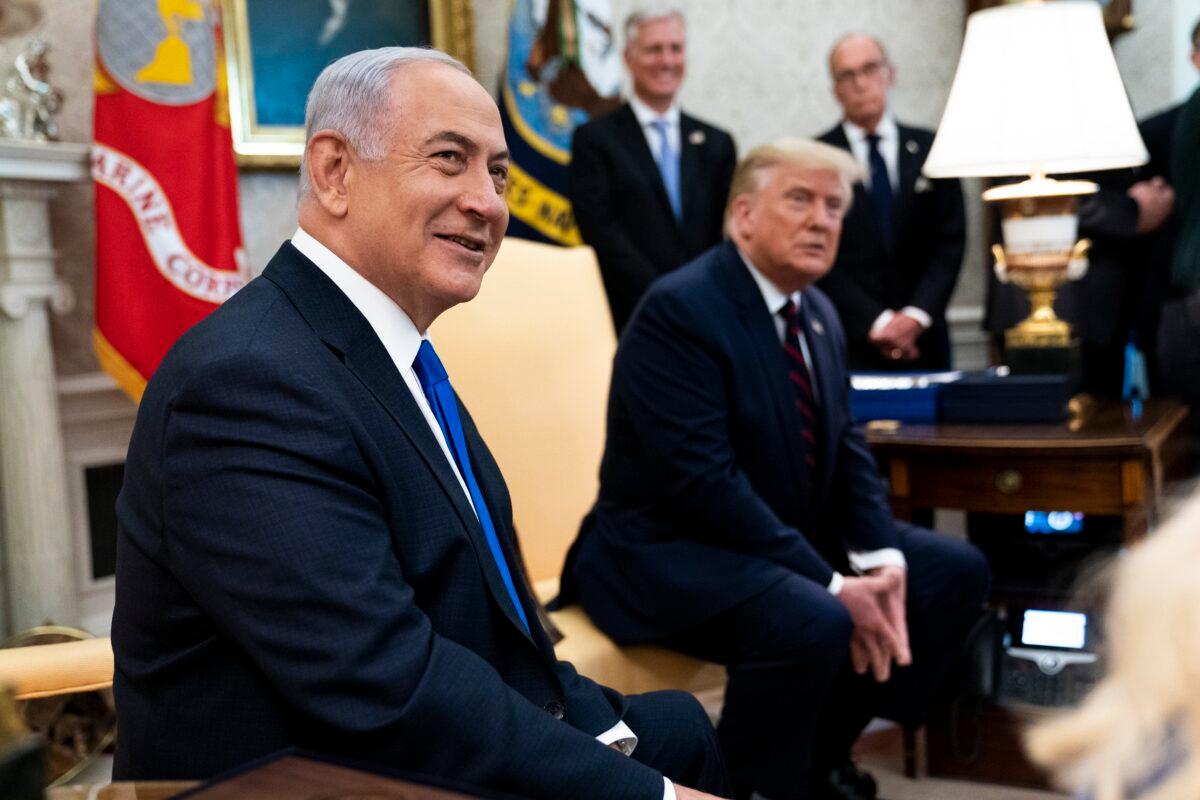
[741, 518]
[648, 182]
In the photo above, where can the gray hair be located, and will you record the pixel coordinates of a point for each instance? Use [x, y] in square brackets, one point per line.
[803, 153]
[643, 14]
[350, 96]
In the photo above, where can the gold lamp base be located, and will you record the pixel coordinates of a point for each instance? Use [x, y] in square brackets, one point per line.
[1040, 253]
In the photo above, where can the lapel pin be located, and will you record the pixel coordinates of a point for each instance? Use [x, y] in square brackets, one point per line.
[818, 328]
[911, 146]
[696, 137]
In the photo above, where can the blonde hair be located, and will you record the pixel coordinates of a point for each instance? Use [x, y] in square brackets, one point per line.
[802, 153]
[1148, 705]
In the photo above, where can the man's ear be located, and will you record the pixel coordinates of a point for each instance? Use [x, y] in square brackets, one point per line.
[328, 163]
[741, 209]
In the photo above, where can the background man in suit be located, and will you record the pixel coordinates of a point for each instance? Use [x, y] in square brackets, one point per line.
[742, 519]
[902, 245]
[316, 548]
[648, 182]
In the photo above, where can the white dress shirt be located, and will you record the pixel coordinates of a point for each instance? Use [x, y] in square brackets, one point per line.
[401, 339]
[889, 148]
[646, 115]
[860, 560]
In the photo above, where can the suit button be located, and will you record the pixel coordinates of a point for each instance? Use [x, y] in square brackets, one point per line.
[556, 709]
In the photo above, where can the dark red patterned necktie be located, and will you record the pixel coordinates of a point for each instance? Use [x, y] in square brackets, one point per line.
[801, 379]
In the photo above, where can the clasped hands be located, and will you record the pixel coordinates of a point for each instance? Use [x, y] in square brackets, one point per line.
[876, 605]
[897, 340]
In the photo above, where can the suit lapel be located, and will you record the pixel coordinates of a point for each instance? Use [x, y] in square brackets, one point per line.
[909, 160]
[633, 140]
[828, 374]
[343, 328]
[767, 349]
[691, 168]
[862, 209]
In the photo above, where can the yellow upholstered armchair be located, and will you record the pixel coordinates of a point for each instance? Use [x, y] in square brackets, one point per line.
[531, 357]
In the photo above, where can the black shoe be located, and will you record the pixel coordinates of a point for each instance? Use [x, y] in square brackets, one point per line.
[848, 782]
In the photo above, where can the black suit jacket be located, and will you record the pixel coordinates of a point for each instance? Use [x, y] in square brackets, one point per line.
[701, 502]
[298, 566]
[919, 269]
[622, 209]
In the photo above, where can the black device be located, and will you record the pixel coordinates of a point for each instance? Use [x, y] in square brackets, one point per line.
[1047, 657]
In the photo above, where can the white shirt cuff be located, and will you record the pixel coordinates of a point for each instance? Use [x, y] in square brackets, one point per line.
[919, 314]
[835, 584]
[881, 321]
[864, 560]
[621, 736]
[668, 790]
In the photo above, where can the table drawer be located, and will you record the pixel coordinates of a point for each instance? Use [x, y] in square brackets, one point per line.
[1016, 484]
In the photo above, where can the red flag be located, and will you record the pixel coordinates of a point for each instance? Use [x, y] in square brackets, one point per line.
[168, 241]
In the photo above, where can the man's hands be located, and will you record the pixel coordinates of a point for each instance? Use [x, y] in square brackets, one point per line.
[1155, 199]
[897, 340]
[684, 793]
[876, 606]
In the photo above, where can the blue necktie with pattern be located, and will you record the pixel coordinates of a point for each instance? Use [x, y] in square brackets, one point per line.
[436, 385]
[668, 166]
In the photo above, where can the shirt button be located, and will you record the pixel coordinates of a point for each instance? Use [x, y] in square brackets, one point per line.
[556, 709]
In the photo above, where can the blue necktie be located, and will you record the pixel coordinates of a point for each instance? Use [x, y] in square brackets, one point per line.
[881, 188]
[668, 166]
[436, 385]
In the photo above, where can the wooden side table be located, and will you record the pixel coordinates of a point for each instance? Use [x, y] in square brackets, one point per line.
[1110, 464]
[1105, 464]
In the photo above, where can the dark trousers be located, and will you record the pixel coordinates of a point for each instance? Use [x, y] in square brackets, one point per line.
[793, 705]
[676, 738]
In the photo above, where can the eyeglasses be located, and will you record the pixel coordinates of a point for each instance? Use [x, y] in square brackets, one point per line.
[870, 71]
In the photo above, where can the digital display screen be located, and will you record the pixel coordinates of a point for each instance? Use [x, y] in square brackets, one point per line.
[1053, 521]
[1054, 629]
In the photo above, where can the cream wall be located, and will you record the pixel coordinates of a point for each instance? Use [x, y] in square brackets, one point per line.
[757, 67]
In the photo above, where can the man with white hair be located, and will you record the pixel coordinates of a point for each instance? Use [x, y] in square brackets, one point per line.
[648, 182]
[904, 239]
[315, 546]
[741, 517]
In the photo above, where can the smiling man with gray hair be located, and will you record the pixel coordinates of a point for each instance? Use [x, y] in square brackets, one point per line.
[315, 547]
[648, 182]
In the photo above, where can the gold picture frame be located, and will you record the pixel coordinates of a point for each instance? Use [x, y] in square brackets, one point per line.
[269, 143]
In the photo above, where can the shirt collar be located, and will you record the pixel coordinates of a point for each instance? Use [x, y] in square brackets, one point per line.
[645, 114]
[772, 296]
[886, 130]
[391, 324]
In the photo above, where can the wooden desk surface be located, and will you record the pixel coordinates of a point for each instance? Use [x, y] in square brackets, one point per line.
[1108, 426]
[141, 790]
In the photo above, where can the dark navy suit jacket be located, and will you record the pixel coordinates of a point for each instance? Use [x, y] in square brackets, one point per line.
[921, 266]
[701, 499]
[298, 566]
[621, 205]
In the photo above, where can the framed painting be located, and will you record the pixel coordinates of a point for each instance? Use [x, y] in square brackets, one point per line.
[1118, 14]
[274, 52]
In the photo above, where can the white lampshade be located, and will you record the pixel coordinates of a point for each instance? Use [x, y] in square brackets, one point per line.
[1036, 91]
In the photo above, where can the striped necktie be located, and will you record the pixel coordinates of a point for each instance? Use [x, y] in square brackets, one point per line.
[801, 380]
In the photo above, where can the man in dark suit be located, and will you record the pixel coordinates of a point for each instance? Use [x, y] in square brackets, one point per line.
[742, 519]
[902, 243]
[315, 546]
[648, 182]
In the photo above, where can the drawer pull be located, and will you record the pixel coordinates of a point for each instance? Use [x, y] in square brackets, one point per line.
[1009, 481]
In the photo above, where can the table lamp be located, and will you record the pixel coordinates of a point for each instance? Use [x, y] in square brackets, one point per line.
[1037, 92]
